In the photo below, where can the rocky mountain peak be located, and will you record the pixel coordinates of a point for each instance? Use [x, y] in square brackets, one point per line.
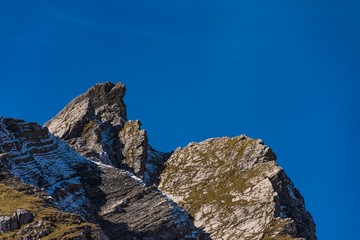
[91, 161]
[90, 123]
[102, 103]
[107, 100]
[95, 125]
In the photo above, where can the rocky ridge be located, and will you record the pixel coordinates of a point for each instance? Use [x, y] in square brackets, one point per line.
[232, 188]
[95, 125]
[115, 198]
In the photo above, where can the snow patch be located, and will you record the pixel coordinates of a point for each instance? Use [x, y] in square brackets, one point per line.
[291, 192]
[46, 162]
[180, 215]
[74, 202]
[102, 164]
[130, 174]
[282, 213]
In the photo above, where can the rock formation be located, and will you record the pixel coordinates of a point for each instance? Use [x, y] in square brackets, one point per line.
[234, 189]
[90, 161]
[95, 125]
[40, 219]
[100, 193]
[91, 122]
[16, 220]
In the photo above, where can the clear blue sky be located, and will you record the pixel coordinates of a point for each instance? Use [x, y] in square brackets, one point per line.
[286, 71]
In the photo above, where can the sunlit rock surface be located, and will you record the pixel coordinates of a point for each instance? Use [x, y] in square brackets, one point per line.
[92, 162]
[234, 189]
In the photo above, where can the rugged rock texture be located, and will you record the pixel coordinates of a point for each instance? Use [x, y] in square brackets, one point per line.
[90, 123]
[36, 157]
[145, 161]
[140, 212]
[39, 220]
[16, 220]
[154, 165]
[104, 171]
[134, 143]
[94, 124]
[234, 189]
[115, 198]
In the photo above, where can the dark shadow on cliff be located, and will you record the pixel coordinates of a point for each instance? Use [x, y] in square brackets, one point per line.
[123, 201]
[93, 184]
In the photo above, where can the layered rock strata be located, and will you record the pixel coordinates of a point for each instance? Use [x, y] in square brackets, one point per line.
[115, 198]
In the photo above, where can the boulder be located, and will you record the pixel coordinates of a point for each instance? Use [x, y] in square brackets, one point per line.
[15, 221]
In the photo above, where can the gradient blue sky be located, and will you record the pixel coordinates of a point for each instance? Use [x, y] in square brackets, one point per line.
[285, 71]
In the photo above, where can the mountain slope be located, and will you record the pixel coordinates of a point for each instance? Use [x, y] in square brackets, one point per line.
[92, 161]
[38, 219]
[113, 197]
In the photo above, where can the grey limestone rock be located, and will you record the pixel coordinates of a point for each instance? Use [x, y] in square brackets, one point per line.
[15, 221]
[90, 123]
[105, 170]
[96, 126]
[115, 198]
[134, 143]
[23, 216]
[8, 223]
[234, 189]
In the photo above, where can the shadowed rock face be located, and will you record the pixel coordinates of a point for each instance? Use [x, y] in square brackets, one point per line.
[130, 210]
[115, 198]
[106, 171]
[16, 220]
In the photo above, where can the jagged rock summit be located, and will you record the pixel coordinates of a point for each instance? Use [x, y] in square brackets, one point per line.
[95, 125]
[92, 162]
[91, 121]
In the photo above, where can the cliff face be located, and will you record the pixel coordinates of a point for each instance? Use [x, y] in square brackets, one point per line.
[234, 189]
[105, 170]
[115, 198]
[90, 123]
[96, 126]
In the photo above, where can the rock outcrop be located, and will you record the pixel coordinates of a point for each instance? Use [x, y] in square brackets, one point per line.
[36, 219]
[16, 220]
[99, 168]
[38, 158]
[134, 144]
[113, 197]
[95, 125]
[234, 189]
[90, 123]
[130, 210]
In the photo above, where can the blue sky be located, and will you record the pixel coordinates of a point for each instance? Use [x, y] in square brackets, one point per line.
[285, 71]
